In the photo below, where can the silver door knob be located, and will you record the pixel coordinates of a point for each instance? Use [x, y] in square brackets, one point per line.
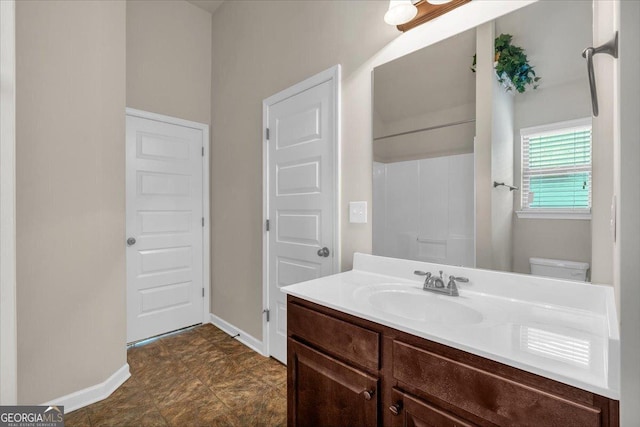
[323, 252]
[131, 241]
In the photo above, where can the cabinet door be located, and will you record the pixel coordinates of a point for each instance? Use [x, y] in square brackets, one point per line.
[409, 411]
[323, 391]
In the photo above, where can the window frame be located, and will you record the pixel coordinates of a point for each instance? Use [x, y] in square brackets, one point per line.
[554, 213]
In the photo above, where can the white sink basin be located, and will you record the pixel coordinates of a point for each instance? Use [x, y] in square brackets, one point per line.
[411, 302]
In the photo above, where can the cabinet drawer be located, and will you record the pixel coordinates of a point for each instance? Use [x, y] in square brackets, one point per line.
[413, 412]
[496, 399]
[350, 342]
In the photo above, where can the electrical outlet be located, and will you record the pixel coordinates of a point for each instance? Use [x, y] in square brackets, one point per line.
[358, 212]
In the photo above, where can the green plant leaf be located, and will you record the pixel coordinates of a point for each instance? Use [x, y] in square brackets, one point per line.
[512, 64]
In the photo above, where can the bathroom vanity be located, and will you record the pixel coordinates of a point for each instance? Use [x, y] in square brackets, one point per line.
[370, 347]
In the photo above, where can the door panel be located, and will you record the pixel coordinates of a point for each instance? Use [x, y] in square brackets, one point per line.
[301, 197]
[164, 216]
[325, 392]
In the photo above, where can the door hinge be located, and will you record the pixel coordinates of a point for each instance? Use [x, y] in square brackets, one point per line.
[267, 225]
[267, 133]
[266, 311]
[202, 151]
[203, 221]
[202, 292]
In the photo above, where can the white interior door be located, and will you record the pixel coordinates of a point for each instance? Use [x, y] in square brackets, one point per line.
[302, 198]
[164, 227]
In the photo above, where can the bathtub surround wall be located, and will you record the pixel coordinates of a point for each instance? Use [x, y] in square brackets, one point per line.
[423, 210]
[70, 195]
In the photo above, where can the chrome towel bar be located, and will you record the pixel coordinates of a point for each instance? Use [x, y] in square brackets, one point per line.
[502, 184]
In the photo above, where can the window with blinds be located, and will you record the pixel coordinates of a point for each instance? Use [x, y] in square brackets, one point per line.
[556, 167]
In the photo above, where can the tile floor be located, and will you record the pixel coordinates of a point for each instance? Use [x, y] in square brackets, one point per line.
[200, 377]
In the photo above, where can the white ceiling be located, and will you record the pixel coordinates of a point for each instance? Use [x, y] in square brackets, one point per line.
[209, 5]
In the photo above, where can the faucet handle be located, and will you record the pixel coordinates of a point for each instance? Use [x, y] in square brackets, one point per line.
[453, 287]
[427, 278]
[426, 275]
[452, 282]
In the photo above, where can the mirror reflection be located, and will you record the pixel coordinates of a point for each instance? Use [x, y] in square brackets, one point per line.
[482, 147]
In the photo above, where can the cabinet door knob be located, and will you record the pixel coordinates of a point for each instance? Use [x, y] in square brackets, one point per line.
[368, 394]
[396, 408]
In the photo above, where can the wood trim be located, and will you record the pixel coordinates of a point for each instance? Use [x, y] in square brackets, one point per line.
[95, 393]
[428, 11]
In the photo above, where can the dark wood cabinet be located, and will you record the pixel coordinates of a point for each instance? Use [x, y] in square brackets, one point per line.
[326, 392]
[347, 371]
[409, 411]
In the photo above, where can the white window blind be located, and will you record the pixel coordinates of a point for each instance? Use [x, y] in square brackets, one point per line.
[556, 167]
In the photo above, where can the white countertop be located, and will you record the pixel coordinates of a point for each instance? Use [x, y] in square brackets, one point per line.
[563, 330]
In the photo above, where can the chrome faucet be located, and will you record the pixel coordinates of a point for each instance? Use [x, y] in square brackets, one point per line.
[436, 284]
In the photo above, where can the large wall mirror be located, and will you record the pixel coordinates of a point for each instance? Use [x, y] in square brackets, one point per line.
[443, 134]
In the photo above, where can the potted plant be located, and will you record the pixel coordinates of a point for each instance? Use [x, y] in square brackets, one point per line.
[512, 65]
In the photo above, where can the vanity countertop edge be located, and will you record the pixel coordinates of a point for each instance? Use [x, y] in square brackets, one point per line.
[524, 318]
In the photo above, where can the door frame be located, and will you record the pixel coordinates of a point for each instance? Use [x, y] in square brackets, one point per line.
[332, 74]
[8, 304]
[206, 230]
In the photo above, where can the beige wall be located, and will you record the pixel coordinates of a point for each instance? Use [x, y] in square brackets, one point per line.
[422, 145]
[70, 195]
[484, 113]
[549, 238]
[260, 48]
[169, 58]
[502, 171]
[603, 132]
[274, 45]
[628, 248]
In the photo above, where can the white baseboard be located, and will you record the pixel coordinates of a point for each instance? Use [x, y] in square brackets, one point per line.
[89, 395]
[246, 339]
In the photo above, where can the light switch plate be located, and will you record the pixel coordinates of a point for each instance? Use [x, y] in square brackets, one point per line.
[358, 212]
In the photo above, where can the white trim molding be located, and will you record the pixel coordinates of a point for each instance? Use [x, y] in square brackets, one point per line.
[206, 230]
[8, 323]
[331, 74]
[253, 343]
[93, 394]
[554, 214]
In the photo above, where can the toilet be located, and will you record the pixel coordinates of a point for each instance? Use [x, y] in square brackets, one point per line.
[559, 269]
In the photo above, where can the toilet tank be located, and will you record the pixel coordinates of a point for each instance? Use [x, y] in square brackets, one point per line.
[559, 269]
